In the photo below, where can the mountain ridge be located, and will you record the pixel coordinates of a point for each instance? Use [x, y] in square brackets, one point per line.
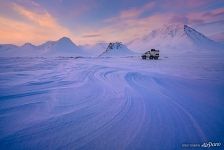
[62, 47]
[174, 36]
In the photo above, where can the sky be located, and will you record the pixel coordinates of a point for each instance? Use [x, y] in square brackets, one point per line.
[94, 21]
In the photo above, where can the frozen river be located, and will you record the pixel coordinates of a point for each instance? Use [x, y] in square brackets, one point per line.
[111, 103]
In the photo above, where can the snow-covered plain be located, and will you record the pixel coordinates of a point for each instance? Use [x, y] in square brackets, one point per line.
[112, 103]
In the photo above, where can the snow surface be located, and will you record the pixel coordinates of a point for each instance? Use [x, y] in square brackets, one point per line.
[111, 103]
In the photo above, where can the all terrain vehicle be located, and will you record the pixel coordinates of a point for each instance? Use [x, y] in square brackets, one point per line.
[152, 54]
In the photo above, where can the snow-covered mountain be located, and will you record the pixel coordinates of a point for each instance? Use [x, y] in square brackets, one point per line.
[169, 38]
[174, 36]
[4, 47]
[28, 46]
[26, 49]
[117, 49]
[47, 45]
[61, 47]
[198, 38]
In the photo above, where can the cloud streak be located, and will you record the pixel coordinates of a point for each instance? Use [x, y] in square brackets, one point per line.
[35, 27]
[91, 35]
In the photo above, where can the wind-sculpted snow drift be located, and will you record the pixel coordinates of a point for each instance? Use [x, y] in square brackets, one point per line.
[111, 103]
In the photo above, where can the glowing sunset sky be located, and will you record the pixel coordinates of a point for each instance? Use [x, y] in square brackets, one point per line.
[91, 21]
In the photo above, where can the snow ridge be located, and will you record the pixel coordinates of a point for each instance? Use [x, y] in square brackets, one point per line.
[197, 37]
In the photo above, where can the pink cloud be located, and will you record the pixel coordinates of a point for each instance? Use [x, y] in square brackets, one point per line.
[196, 3]
[126, 30]
[205, 17]
[38, 27]
[135, 12]
[215, 13]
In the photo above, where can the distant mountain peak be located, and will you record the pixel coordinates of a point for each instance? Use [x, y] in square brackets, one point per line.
[28, 46]
[117, 49]
[186, 26]
[27, 43]
[172, 36]
[196, 36]
[65, 39]
[115, 45]
[62, 47]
